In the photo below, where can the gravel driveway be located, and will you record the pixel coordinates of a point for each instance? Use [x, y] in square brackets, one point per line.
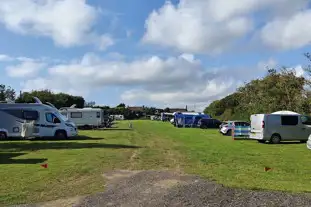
[164, 188]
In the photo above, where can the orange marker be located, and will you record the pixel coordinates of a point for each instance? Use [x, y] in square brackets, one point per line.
[44, 165]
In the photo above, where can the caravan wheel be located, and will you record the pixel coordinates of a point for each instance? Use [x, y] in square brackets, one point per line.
[3, 136]
[60, 134]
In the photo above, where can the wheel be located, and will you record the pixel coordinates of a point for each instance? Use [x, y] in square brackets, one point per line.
[229, 132]
[60, 134]
[203, 126]
[275, 139]
[261, 141]
[3, 136]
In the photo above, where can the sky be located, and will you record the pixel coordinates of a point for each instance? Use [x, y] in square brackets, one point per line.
[153, 53]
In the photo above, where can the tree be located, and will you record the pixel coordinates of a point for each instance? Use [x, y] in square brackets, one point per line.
[121, 105]
[57, 99]
[6, 93]
[167, 110]
[281, 90]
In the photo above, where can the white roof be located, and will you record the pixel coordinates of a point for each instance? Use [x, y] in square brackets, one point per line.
[285, 112]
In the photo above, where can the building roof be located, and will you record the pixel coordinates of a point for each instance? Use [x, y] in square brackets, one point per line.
[172, 110]
[136, 108]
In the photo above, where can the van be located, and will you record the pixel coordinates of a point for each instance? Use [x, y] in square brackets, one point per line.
[280, 127]
[34, 120]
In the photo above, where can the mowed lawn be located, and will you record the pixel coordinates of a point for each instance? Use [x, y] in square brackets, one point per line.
[75, 167]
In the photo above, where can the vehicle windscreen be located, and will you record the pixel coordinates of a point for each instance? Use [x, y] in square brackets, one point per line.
[306, 120]
[60, 116]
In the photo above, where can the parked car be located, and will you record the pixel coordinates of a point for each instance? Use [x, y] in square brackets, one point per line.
[208, 123]
[280, 126]
[227, 128]
[222, 124]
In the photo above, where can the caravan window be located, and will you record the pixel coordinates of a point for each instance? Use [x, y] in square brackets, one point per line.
[50, 117]
[98, 114]
[30, 115]
[15, 112]
[289, 120]
[76, 114]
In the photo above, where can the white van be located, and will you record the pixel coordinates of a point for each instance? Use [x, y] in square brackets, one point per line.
[279, 127]
[34, 120]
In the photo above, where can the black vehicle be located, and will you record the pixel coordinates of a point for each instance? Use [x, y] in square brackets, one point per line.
[209, 123]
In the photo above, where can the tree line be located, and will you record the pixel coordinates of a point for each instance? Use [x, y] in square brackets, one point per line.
[279, 90]
[57, 99]
[60, 100]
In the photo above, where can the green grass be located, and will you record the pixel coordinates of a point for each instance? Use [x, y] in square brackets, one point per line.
[75, 167]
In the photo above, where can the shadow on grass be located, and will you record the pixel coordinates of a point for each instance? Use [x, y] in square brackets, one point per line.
[34, 146]
[117, 129]
[6, 158]
[51, 139]
[69, 138]
[292, 143]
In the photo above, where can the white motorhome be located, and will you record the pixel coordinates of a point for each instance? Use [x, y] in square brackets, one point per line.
[34, 120]
[85, 117]
[280, 126]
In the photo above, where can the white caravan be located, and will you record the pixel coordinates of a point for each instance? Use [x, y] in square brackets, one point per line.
[118, 117]
[34, 120]
[280, 126]
[85, 117]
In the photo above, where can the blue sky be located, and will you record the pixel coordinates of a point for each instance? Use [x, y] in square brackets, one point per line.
[155, 52]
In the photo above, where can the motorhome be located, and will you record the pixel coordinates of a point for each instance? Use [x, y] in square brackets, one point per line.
[85, 117]
[34, 120]
[280, 126]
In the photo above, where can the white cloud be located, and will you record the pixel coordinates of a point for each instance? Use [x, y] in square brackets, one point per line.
[105, 42]
[211, 27]
[264, 65]
[67, 22]
[176, 81]
[4, 58]
[299, 71]
[25, 69]
[288, 33]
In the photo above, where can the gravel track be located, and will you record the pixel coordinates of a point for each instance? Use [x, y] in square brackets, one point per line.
[165, 188]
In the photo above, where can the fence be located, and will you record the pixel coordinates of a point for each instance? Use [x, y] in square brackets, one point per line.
[241, 132]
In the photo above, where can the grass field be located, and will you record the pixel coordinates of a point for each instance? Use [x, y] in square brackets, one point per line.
[75, 166]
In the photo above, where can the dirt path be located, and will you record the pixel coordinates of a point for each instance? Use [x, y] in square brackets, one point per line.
[164, 188]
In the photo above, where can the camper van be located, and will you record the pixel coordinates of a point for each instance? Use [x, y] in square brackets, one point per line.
[280, 126]
[85, 117]
[34, 120]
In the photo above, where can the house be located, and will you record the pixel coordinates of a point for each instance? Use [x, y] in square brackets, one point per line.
[136, 108]
[172, 110]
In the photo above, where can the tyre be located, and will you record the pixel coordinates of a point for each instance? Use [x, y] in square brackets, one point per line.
[262, 141]
[3, 136]
[229, 132]
[60, 134]
[275, 139]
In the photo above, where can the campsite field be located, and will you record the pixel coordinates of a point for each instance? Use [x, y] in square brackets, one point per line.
[75, 167]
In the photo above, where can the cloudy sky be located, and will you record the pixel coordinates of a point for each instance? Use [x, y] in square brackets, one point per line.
[149, 52]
